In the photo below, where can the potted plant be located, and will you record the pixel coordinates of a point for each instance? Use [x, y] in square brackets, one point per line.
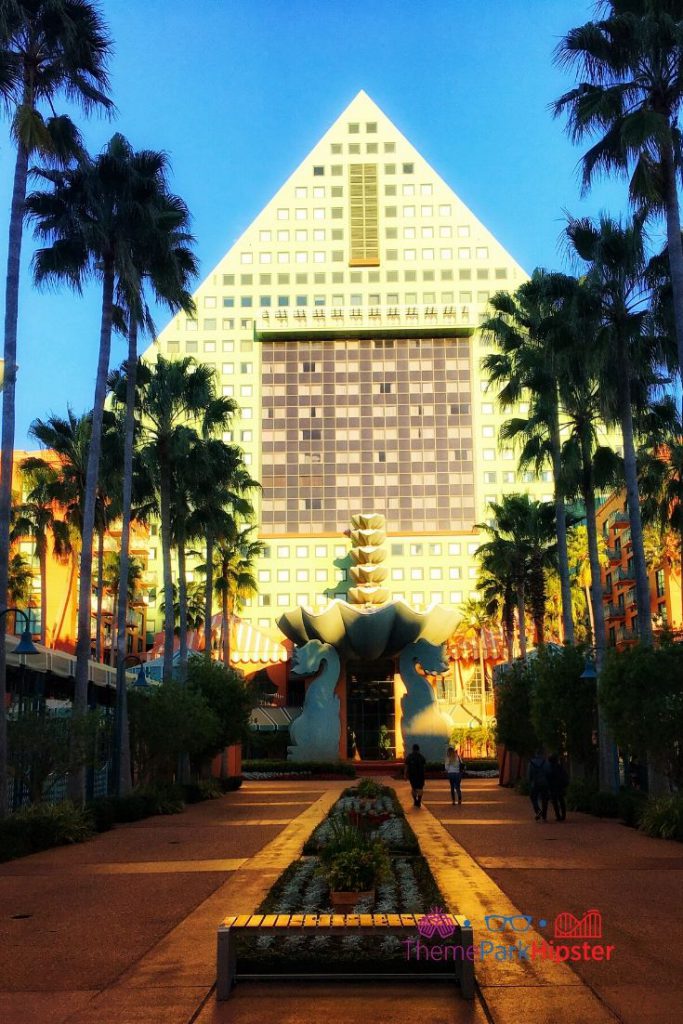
[353, 871]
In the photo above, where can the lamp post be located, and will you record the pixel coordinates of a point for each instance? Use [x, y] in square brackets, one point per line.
[25, 646]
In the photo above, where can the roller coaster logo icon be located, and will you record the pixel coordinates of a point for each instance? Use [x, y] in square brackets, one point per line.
[568, 926]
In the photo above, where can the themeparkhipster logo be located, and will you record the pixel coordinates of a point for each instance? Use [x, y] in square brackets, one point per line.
[438, 924]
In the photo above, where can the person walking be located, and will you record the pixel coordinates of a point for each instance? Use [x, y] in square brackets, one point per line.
[454, 771]
[558, 780]
[538, 775]
[415, 770]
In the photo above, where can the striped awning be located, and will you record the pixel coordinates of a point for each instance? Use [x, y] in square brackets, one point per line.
[267, 719]
[249, 644]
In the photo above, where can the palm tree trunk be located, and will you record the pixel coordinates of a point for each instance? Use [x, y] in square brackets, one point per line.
[182, 604]
[114, 630]
[76, 788]
[633, 496]
[508, 617]
[8, 421]
[122, 769]
[606, 749]
[226, 622]
[521, 611]
[537, 595]
[675, 246]
[100, 596]
[165, 509]
[561, 530]
[208, 596]
[596, 605]
[43, 595]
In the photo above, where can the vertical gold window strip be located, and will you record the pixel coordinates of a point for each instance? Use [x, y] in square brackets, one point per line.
[364, 214]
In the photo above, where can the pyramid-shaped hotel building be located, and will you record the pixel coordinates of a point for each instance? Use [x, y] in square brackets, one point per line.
[344, 322]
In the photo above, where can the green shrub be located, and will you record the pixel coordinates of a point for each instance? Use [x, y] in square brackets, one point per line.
[604, 805]
[580, 793]
[205, 789]
[167, 722]
[230, 783]
[369, 788]
[631, 806]
[663, 818]
[357, 871]
[227, 695]
[647, 717]
[41, 827]
[102, 813]
[164, 798]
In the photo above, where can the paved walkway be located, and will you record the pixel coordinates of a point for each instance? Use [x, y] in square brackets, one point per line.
[121, 930]
[502, 856]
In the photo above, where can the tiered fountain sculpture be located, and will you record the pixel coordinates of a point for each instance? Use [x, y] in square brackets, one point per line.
[368, 536]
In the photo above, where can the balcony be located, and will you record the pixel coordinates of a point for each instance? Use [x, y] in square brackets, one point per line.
[364, 321]
[618, 519]
[614, 611]
[630, 599]
[614, 555]
[627, 636]
[624, 577]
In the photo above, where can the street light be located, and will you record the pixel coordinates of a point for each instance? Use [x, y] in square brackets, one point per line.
[589, 671]
[26, 644]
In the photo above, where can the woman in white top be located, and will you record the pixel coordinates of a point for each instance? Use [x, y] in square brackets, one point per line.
[454, 768]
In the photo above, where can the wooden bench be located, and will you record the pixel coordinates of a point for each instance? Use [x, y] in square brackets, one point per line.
[405, 925]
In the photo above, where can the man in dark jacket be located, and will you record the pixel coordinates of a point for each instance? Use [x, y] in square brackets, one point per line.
[415, 770]
[538, 775]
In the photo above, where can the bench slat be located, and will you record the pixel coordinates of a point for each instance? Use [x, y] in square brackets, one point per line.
[269, 920]
[227, 922]
[310, 920]
[282, 920]
[325, 920]
[241, 921]
[296, 921]
[338, 920]
[255, 920]
[408, 920]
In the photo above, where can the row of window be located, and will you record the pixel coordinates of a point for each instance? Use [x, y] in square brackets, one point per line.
[336, 170]
[339, 575]
[356, 277]
[337, 212]
[337, 256]
[397, 550]
[355, 299]
[415, 598]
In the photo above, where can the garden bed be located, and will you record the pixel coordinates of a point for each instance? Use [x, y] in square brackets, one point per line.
[408, 887]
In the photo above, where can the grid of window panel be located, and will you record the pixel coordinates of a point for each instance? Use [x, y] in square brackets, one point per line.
[359, 425]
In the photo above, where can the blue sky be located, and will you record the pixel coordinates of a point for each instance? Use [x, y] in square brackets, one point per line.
[237, 92]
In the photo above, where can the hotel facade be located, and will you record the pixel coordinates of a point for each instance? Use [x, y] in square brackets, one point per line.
[345, 324]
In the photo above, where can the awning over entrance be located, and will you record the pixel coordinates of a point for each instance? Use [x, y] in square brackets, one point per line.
[62, 664]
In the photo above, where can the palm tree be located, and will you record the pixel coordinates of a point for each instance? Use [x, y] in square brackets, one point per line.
[165, 261]
[92, 217]
[132, 592]
[497, 585]
[171, 395]
[69, 438]
[523, 326]
[35, 518]
[616, 268]
[476, 617]
[218, 505]
[529, 526]
[48, 48]
[629, 95]
[20, 580]
[235, 555]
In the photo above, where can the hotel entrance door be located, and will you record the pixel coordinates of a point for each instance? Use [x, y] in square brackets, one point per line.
[370, 710]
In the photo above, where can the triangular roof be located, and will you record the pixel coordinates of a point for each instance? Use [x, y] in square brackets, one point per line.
[303, 232]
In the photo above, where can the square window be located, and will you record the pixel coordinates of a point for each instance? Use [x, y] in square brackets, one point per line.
[318, 171]
[408, 168]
